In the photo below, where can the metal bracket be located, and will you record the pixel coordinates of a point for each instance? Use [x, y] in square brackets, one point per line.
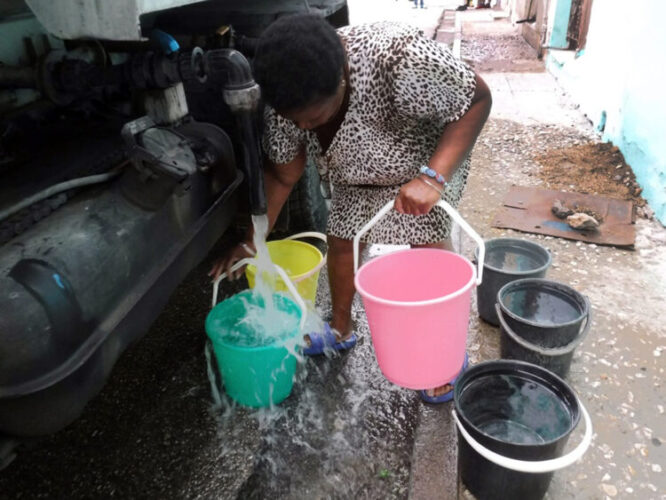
[174, 156]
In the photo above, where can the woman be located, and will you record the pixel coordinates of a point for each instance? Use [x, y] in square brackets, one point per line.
[374, 106]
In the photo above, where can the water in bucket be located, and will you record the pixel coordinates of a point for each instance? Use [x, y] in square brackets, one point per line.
[247, 321]
[516, 410]
[545, 312]
[256, 350]
[513, 259]
[507, 260]
[546, 308]
[514, 420]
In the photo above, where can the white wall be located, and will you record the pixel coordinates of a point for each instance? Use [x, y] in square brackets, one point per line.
[620, 75]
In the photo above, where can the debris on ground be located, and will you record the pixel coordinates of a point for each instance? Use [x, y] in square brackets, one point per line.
[577, 217]
[592, 168]
[581, 220]
[560, 210]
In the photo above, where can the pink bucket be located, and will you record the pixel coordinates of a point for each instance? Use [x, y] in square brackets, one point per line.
[417, 302]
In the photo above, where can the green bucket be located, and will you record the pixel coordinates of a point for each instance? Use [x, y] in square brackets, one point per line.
[255, 371]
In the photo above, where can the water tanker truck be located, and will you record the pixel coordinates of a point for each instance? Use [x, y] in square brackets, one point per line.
[129, 143]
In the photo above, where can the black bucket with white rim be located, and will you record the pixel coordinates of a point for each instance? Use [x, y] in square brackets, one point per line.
[507, 260]
[544, 312]
[556, 359]
[514, 420]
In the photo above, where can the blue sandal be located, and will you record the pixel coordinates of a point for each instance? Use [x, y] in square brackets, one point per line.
[320, 342]
[447, 396]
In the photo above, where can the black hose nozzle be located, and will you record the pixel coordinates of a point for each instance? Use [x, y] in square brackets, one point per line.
[252, 161]
[241, 93]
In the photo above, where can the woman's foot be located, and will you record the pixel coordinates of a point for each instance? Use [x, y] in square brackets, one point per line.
[439, 391]
[328, 339]
[443, 393]
[339, 334]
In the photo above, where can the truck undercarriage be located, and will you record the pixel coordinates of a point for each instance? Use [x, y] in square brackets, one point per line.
[124, 156]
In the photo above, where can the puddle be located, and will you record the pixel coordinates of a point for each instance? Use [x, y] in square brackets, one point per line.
[344, 432]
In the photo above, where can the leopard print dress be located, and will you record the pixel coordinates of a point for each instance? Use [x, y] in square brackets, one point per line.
[404, 88]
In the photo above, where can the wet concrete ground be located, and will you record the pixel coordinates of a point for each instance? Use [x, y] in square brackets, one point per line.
[347, 433]
[344, 432]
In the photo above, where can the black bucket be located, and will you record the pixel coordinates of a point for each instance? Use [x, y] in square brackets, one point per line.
[556, 359]
[507, 260]
[514, 420]
[543, 312]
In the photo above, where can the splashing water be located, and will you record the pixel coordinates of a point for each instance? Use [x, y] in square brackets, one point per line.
[345, 431]
[245, 320]
[343, 427]
[266, 277]
[217, 398]
[260, 317]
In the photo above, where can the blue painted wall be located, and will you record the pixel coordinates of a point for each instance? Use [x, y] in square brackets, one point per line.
[559, 15]
[619, 82]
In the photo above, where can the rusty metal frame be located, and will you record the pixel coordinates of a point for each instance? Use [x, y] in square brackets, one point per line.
[529, 210]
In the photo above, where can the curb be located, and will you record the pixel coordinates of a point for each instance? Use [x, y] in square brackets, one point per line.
[449, 30]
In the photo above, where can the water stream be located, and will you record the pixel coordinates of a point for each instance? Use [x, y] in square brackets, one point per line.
[266, 272]
[257, 319]
[261, 317]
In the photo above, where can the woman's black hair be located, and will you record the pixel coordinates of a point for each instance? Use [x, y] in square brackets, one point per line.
[299, 60]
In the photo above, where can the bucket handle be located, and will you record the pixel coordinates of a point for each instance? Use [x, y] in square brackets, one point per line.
[553, 351]
[310, 234]
[536, 467]
[588, 319]
[449, 210]
[287, 281]
[216, 283]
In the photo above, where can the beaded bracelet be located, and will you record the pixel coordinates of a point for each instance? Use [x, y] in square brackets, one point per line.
[440, 191]
[426, 170]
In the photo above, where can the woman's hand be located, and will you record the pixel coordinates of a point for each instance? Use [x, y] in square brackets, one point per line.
[224, 264]
[416, 198]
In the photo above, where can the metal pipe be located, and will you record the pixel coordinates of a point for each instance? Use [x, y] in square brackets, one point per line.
[56, 189]
[18, 77]
[241, 93]
[252, 161]
[227, 68]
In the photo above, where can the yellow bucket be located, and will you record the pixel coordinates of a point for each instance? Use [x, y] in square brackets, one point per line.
[300, 260]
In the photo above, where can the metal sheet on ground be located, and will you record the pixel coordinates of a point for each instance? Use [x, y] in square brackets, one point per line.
[529, 210]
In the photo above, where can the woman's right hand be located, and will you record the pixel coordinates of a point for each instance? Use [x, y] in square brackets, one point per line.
[241, 250]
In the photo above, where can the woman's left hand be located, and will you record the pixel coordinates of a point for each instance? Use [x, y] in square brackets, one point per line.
[416, 198]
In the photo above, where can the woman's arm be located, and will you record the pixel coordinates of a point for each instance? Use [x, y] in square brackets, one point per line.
[455, 144]
[459, 137]
[280, 180]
